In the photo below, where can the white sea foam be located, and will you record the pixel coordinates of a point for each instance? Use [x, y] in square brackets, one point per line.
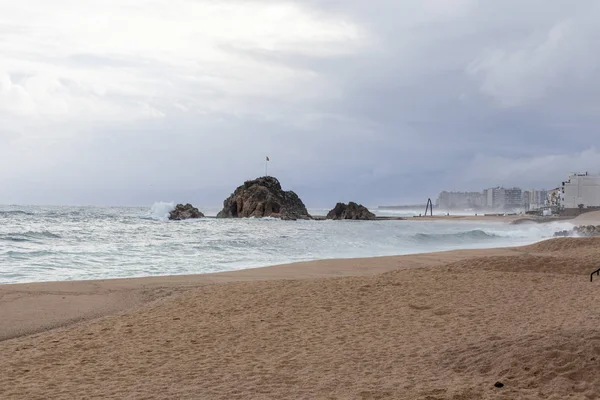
[160, 210]
[65, 243]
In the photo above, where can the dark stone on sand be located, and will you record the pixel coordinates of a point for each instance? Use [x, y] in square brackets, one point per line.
[350, 211]
[498, 384]
[263, 197]
[185, 211]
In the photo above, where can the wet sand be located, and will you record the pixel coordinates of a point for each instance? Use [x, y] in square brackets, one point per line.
[429, 326]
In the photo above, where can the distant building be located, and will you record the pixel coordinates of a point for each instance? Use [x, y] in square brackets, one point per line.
[540, 198]
[534, 199]
[460, 200]
[580, 191]
[527, 197]
[488, 196]
[497, 198]
[513, 198]
[500, 198]
[553, 198]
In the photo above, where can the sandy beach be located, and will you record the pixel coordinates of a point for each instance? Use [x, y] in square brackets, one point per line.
[435, 326]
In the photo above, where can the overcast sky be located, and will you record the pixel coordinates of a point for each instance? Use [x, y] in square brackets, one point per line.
[127, 102]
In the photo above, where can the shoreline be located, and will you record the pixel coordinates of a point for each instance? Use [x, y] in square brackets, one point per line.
[319, 257]
[439, 325]
[434, 325]
[33, 307]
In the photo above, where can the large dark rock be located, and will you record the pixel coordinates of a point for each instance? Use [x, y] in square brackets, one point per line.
[580, 231]
[185, 211]
[350, 211]
[263, 197]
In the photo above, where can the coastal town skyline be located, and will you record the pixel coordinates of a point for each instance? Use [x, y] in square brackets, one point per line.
[577, 192]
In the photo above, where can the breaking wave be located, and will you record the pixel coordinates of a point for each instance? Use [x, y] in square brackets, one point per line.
[15, 212]
[73, 243]
[29, 236]
[476, 234]
[161, 209]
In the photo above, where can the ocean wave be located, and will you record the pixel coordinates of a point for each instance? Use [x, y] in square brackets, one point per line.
[160, 210]
[266, 218]
[106, 242]
[476, 234]
[26, 254]
[28, 236]
[15, 212]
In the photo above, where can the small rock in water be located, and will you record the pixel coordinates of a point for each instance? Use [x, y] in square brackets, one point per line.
[185, 211]
[498, 384]
[350, 211]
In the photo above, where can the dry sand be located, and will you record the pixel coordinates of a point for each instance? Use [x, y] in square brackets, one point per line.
[590, 218]
[431, 326]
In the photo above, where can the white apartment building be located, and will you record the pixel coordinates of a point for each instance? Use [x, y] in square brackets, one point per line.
[580, 190]
[488, 196]
[460, 200]
[534, 199]
[501, 198]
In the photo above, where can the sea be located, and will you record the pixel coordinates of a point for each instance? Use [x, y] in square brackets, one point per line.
[59, 243]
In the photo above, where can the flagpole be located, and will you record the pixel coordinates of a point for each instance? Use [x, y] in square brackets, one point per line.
[266, 172]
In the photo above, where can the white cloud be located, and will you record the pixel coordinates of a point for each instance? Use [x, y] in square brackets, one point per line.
[14, 98]
[527, 70]
[117, 60]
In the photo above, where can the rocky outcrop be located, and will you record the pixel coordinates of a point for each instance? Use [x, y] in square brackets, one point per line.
[582, 230]
[263, 197]
[350, 211]
[185, 211]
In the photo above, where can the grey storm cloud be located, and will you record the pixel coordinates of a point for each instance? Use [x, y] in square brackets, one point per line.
[378, 102]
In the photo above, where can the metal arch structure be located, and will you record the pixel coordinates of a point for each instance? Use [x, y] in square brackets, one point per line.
[429, 207]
